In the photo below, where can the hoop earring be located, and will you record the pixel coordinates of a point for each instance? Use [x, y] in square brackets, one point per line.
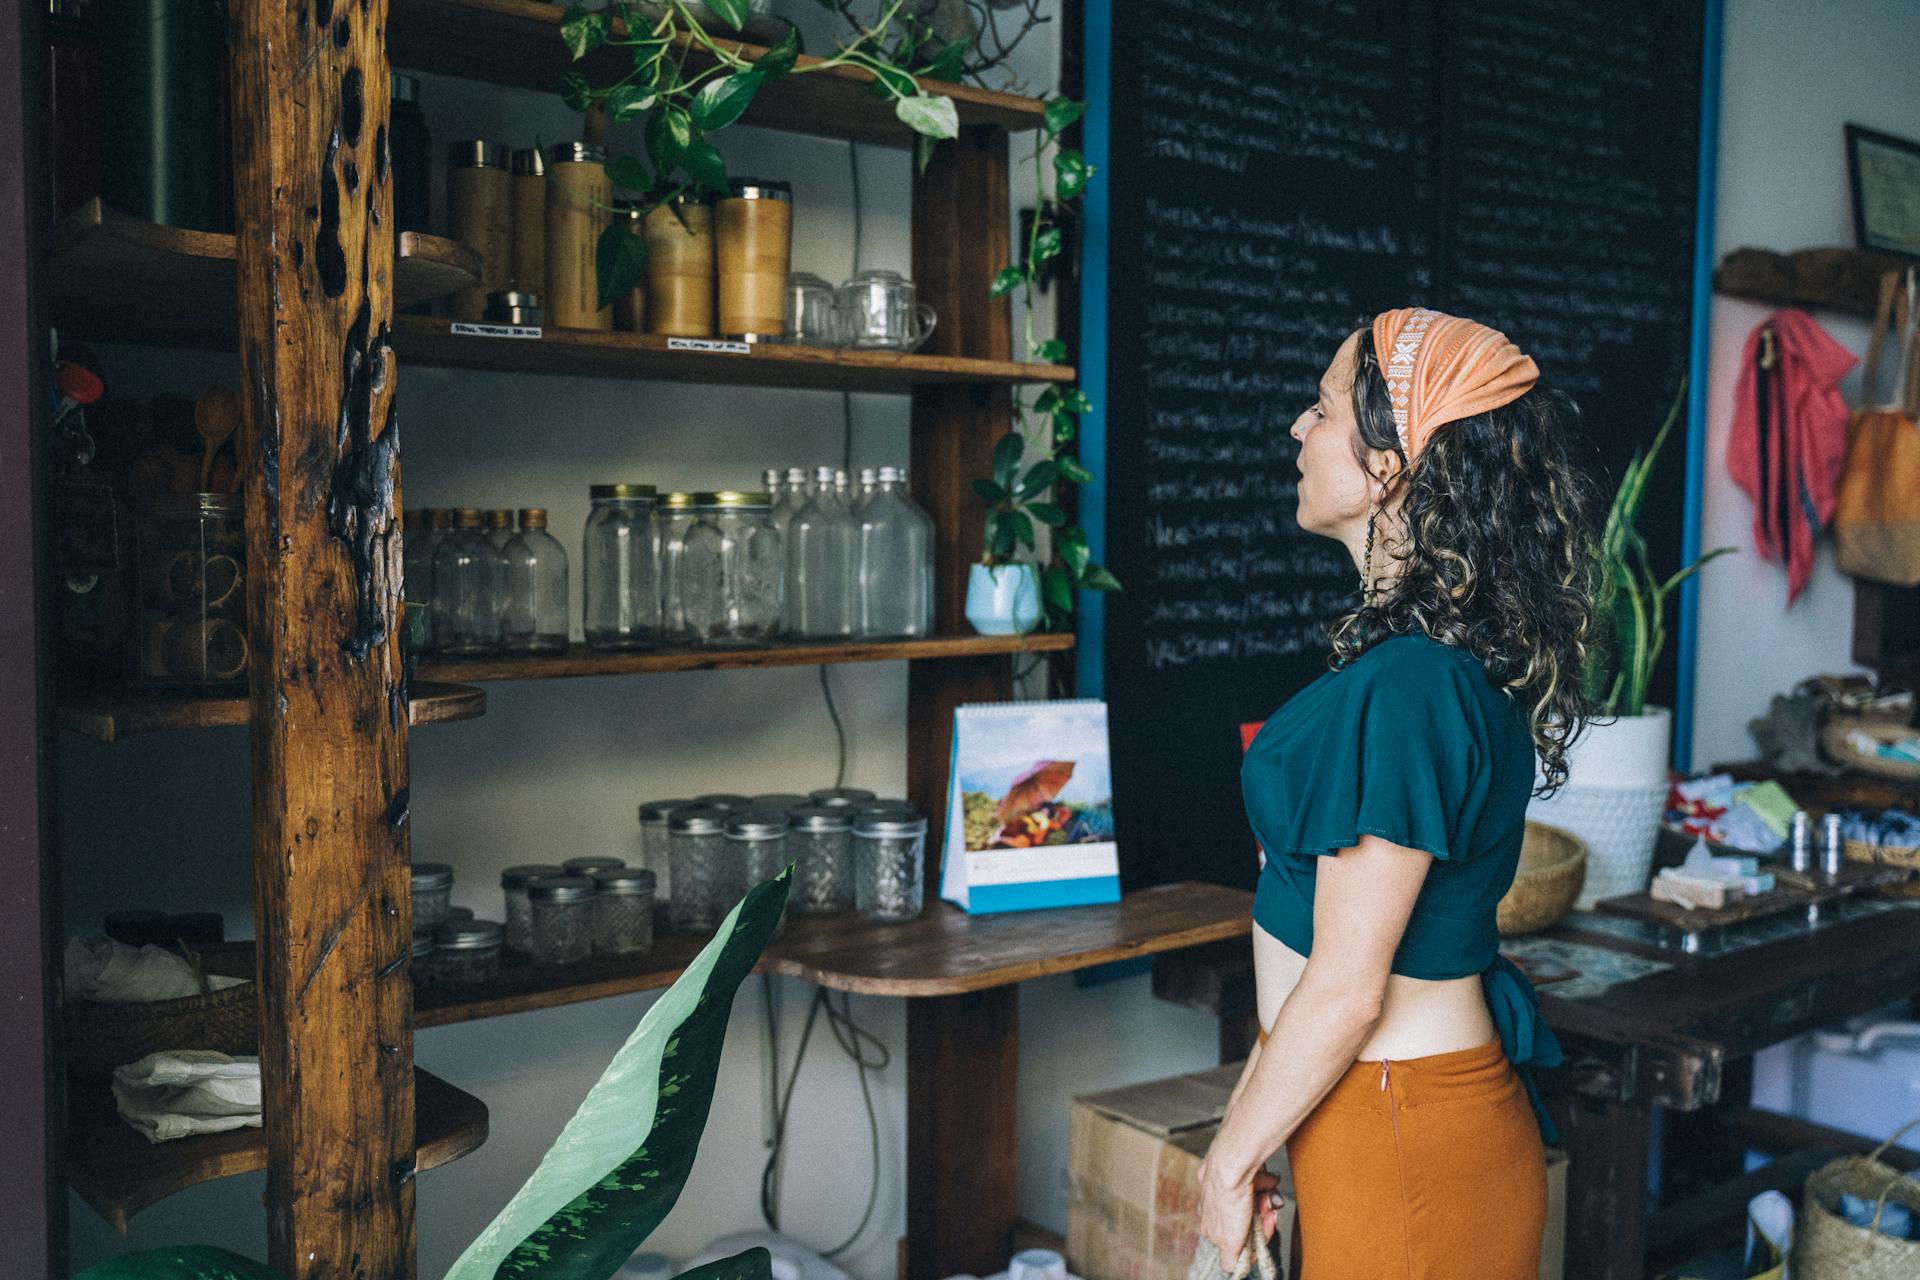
[1366, 570]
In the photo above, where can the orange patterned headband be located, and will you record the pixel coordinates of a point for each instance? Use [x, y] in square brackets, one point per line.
[1441, 368]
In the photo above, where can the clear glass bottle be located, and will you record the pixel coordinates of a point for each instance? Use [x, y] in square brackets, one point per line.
[756, 852]
[519, 912]
[843, 489]
[500, 530]
[653, 844]
[696, 849]
[591, 865]
[821, 847]
[819, 581]
[793, 496]
[676, 516]
[730, 571]
[417, 565]
[534, 619]
[623, 912]
[620, 577]
[869, 480]
[467, 953]
[889, 859]
[466, 619]
[773, 481]
[562, 919]
[894, 591]
[432, 894]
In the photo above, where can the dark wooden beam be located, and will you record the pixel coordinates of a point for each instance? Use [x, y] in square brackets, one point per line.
[1606, 1145]
[963, 1067]
[315, 255]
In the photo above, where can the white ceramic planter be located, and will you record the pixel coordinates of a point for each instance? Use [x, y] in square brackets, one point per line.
[1615, 792]
[1003, 600]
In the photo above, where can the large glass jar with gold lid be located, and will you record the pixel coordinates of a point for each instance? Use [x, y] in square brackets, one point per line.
[731, 570]
[675, 513]
[620, 576]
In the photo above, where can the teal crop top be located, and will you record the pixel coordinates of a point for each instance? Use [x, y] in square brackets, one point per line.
[1410, 742]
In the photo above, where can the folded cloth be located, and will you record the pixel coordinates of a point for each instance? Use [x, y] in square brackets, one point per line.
[109, 972]
[1256, 1259]
[186, 1091]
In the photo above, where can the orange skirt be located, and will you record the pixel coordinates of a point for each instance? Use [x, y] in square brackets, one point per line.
[1423, 1169]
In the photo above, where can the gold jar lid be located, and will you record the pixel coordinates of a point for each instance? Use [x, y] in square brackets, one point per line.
[732, 499]
[466, 517]
[533, 517]
[499, 518]
[620, 492]
[676, 501]
[439, 517]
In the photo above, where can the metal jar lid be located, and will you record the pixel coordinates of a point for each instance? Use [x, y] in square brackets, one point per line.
[405, 88]
[499, 518]
[517, 877]
[560, 889]
[760, 189]
[470, 935]
[478, 153]
[731, 500]
[466, 517]
[621, 492]
[533, 517]
[576, 153]
[432, 875]
[730, 801]
[756, 826]
[820, 818]
[883, 809]
[658, 810]
[841, 795]
[587, 866]
[515, 306]
[889, 825]
[422, 943]
[697, 820]
[529, 163]
[627, 882]
[676, 501]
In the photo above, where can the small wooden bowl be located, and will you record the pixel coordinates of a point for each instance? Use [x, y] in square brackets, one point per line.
[1833, 740]
[1553, 869]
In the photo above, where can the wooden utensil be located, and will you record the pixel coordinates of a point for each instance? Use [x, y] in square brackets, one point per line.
[216, 416]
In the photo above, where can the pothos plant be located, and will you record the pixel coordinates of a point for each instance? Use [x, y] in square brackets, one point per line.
[683, 108]
[1017, 493]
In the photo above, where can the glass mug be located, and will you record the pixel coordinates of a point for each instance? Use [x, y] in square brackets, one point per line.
[876, 311]
[809, 311]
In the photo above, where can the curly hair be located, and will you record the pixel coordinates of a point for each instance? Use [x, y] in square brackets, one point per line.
[1500, 555]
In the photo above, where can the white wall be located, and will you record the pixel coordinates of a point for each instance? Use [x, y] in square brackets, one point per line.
[1793, 74]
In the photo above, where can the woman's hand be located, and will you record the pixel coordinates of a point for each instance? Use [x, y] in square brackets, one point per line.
[1227, 1205]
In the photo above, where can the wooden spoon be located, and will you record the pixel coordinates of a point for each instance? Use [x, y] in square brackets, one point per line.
[216, 416]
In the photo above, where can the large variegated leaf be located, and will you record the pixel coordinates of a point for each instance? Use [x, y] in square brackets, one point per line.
[180, 1262]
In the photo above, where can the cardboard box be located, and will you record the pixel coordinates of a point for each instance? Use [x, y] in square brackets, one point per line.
[1133, 1180]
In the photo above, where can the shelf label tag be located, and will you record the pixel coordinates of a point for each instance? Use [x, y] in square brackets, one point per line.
[495, 330]
[710, 344]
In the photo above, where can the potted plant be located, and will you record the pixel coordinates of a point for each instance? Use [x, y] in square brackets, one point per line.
[1616, 786]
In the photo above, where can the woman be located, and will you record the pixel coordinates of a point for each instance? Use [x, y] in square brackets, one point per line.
[1390, 797]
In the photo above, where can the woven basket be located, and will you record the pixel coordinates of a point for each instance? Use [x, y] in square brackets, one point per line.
[1553, 869]
[1833, 740]
[1828, 1247]
[100, 1037]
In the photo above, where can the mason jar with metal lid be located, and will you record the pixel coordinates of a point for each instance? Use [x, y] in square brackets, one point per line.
[889, 856]
[579, 202]
[620, 580]
[653, 844]
[432, 894]
[696, 851]
[562, 919]
[820, 845]
[467, 953]
[753, 244]
[842, 796]
[756, 852]
[731, 801]
[513, 887]
[732, 570]
[776, 801]
[623, 912]
[676, 514]
[480, 216]
[591, 865]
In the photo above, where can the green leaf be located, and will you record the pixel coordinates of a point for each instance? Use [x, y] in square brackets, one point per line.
[1070, 469]
[1071, 172]
[1071, 400]
[1057, 587]
[625, 101]
[1022, 528]
[584, 30]
[929, 114]
[1000, 536]
[669, 130]
[1048, 400]
[779, 59]
[1047, 244]
[1070, 544]
[923, 147]
[626, 173]
[721, 102]
[1006, 280]
[891, 82]
[1039, 478]
[620, 1163]
[755, 1264]
[1006, 458]
[1064, 429]
[575, 91]
[1053, 351]
[988, 491]
[731, 12]
[1061, 113]
[950, 63]
[703, 163]
[180, 1262]
[619, 261]
[1048, 514]
[1095, 578]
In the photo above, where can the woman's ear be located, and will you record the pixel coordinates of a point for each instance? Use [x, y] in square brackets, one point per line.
[1384, 469]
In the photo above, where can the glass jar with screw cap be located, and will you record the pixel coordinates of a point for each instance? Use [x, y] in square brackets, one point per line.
[696, 851]
[731, 570]
[837, 796]
[432, 894]
[776, 801]
[653, 844]
[620, 580]
[821, 847]
[756, 852]
[519, 912]
[533, 618]
[889, 856]
[562, 919]
[466, 614]
[467, 953]
[675, 515]
[591, 865]
[623, 912]
[732, 801]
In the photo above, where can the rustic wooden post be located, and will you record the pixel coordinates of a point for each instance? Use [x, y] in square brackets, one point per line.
[329, 719]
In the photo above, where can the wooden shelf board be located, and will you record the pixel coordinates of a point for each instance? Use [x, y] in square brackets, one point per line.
[117, 279]
[517, 42]
[945, 952]
[119, 1173]
[1835, 279]
[112, 714]
[579, 660]
[427, 341]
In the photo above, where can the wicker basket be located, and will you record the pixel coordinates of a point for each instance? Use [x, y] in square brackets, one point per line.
[1833, 740]
[100, 1037]
[1553, 869]
[1828, 1247]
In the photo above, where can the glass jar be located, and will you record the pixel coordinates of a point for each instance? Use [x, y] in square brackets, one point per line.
[561, 909]
[696, 851]
[819, 569]
[653, 844]
[837, 796]
[731, 570]
[422, 960]
[893, 556]
[756, 852]
[467, 954]
[533, 615]
[821, 846]
[809, 310]
[193, 591]
[432, 894]
[419, 542]
[620, 583]
[519, 912]
[466, 614]
[889, 857]
[877, 310]
[623, 912]
[675, 515]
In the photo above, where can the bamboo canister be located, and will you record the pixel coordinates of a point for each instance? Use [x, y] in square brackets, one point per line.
[578, 199]
[480, 216]
[630, 308]
[529, 273]
[753, 239]
[680, 268]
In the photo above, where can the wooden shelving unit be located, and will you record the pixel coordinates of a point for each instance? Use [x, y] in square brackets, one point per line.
[582, 661]
[1833, 279]
[112, 714]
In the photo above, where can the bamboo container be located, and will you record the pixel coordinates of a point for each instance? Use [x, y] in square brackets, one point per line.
[529, 274]
[480, 215]
[680, 268]
[753, 242]
[578, 199]
[630, 309]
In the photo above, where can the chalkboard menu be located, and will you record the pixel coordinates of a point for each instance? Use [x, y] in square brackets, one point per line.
[1278, 174]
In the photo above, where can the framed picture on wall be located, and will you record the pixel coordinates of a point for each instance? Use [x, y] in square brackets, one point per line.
[1885, 174]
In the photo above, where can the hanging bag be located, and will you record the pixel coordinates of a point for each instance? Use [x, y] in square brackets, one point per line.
[1828, 1247]
[1876, 521]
